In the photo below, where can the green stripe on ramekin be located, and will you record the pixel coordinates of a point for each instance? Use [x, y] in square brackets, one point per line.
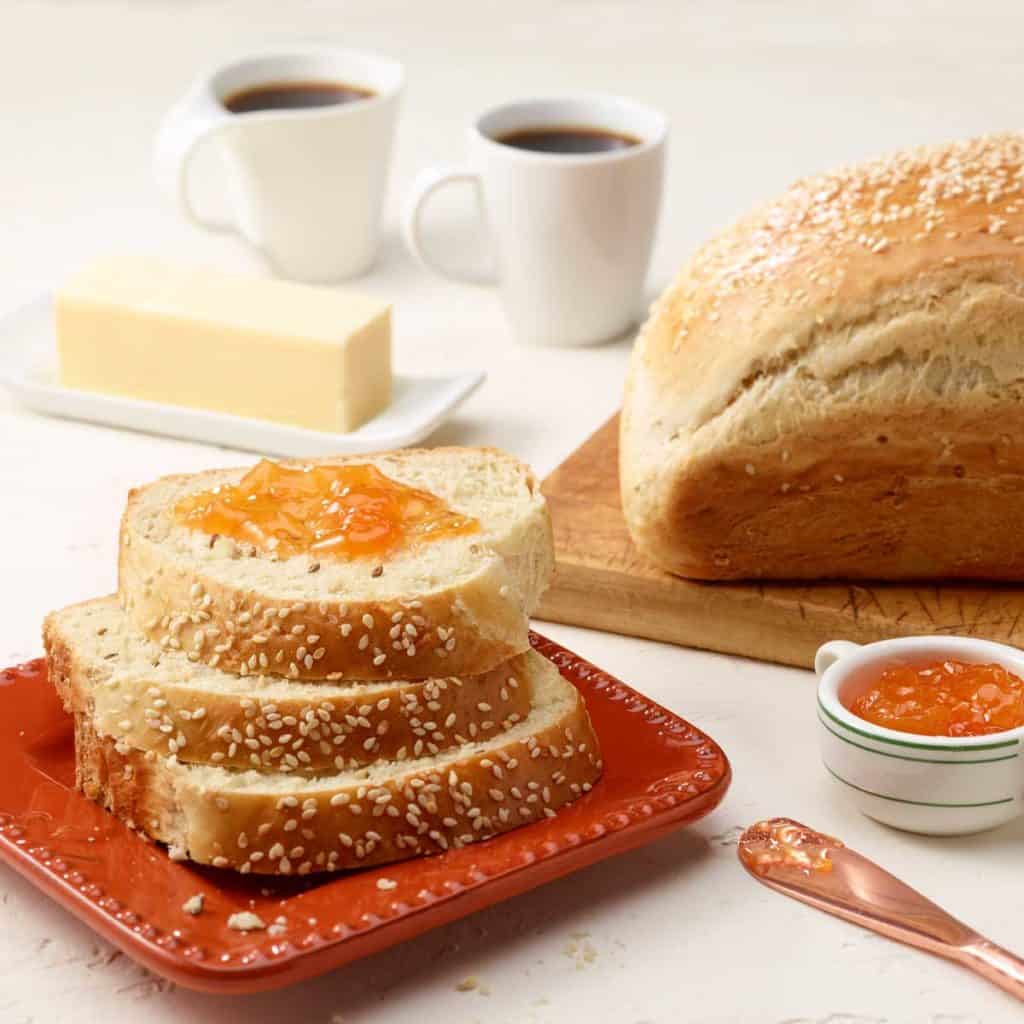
[917, 760]
[916, 803]
[911, 743]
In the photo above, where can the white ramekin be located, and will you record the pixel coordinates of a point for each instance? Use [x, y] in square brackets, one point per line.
[932, 784]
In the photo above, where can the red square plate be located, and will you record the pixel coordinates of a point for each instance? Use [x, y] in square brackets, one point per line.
[660, 772]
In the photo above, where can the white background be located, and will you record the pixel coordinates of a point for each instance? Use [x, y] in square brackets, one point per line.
[758, 93]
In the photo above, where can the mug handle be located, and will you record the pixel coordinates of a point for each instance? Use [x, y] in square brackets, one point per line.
[195, 117]
[828, 654]
[429, 181]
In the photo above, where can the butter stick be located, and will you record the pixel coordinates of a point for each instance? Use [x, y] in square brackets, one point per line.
[307, 356]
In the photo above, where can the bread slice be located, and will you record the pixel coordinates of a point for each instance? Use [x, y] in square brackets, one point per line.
[458, 605]
[157, 699]
[279, 824]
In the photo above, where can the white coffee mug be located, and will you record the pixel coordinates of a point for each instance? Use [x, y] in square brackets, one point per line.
[305, 185]
[572, 233]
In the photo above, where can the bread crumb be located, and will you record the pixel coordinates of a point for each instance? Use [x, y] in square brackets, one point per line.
[580, 950]
[193, 905]
[246, 921]
[386, 884]
[469, 984]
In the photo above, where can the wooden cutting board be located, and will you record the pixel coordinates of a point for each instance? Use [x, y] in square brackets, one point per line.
[600, 581]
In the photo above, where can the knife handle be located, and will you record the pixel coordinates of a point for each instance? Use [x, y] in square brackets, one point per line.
[995, 964]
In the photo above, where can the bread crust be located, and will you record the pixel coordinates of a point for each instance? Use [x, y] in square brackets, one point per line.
[461, 629]
[302, 734]
[417, 810]
[833, 387]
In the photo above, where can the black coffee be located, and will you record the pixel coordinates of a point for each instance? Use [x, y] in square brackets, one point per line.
[568, 139]
[294, 96]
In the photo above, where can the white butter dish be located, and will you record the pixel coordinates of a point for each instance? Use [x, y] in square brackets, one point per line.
[28, 369]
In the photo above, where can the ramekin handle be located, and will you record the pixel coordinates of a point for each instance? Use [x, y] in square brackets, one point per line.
[828, 654]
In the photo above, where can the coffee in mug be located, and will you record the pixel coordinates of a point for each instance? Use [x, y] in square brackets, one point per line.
[294, 96]
[569, 139]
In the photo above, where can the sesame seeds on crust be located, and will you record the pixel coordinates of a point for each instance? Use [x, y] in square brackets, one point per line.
[427, 809]
[838, 234]
[328, 640]
[261, 724]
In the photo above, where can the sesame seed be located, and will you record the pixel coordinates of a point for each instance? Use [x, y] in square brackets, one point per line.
[246, 921]
[194, 904]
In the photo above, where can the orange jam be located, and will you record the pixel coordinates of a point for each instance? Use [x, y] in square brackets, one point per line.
[782, 842]
[347, 511]
[947, 698]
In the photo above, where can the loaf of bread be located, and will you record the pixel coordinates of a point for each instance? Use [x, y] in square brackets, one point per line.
[457, 605]
[834, 387]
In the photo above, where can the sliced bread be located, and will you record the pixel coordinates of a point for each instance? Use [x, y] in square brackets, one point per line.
[455, 605]
[271, 823]
[156, 699]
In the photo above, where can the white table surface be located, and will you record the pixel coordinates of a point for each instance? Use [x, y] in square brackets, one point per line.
[758, 93]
